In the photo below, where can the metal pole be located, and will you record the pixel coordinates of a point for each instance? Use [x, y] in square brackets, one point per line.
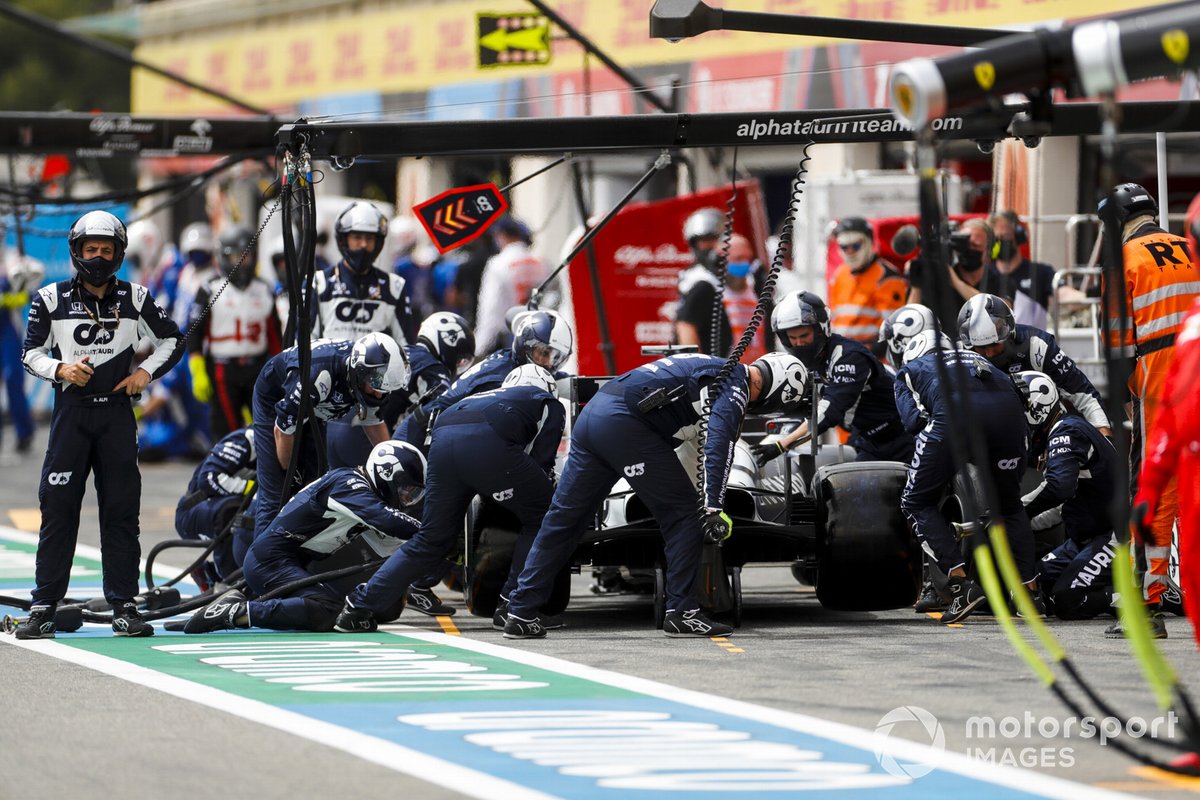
[590, 46]
[1160, 152]
[117, 54]
[606, 344]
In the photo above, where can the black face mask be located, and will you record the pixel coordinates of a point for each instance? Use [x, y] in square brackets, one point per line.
[808, 353]
[971, 260]
[359, 260]
[1008, 249]
[96, 271]
[706, 258]
[1005, 358]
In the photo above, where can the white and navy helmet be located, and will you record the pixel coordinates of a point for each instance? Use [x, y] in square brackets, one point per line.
[925, 343]
[449, 338]
[97, 225]
[378, 362]
[985, 319]
[1041, 396]
[532, 375]
[396, 471]
[542, 330]
[360, 217]
[901, 325]
[797, 309]
[784, 384]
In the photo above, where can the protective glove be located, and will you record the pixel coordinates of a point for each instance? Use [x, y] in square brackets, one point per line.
[717, 525]
[249, 490]
[765, 453]
[1141, 516]
[202, 388]
[13, 300]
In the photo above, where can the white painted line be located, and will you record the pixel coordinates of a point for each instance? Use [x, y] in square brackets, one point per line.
[164, 571]
[386, 754]
[861, 738]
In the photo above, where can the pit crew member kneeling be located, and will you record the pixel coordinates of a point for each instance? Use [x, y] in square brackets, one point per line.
[322, 518]
[499, 444]
[631, 428]
[218, 488]
[858, 392]
[996, 408]
[1080, 468]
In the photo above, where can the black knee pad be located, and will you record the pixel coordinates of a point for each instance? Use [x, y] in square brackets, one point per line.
[1081, 603]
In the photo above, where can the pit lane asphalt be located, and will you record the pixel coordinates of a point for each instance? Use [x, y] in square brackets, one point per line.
[67, 731]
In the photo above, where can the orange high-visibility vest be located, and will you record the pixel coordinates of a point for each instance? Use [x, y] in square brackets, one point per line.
[859, 303]
[1161, 282]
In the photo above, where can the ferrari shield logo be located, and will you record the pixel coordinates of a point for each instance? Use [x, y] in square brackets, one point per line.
[985, 75]
[1175, 45]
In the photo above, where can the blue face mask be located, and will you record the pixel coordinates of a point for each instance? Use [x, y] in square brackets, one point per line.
[738, 269]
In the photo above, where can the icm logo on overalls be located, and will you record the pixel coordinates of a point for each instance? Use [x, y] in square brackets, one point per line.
[89, 335]
[360, 313]
[633, 470]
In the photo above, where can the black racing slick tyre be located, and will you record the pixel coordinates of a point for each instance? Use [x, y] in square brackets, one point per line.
[867, 556]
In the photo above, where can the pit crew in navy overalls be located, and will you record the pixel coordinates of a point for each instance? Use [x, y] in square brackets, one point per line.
[1080, 471]
[987, 326]
[353, 298]
[857, 391]
[217, 489]
[444, 348]
[346, 377]
[630, 429]
[322, 518]
[500, 445]
[539, 337]
[997, 411]
[82, 337]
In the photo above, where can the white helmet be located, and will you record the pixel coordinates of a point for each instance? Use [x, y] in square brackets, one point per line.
[532, 375]
[145, 245]
[360, 217]
[1041, 396]
[378, 362]
[396, 471]
[703, 223]
[901, 325]
[985, 319]
[925, 343]
[784, 384]
[198, 238]
[25, 273]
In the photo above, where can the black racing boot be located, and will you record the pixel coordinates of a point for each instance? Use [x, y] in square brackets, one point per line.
[127, 621]
[678, 624]
[965, 597]
[230, 610]
[518, 628]
[355, 620]
[550, 622]
[425, 601]
[40, 624]
[930, 600]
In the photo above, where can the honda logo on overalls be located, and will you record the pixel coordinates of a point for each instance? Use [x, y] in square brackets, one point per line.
[58, 478]
[355, 312]
[92, 334]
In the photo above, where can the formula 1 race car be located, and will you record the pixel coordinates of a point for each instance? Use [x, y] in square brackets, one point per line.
[838, 524]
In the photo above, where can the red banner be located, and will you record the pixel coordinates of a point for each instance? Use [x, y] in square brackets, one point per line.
[640, 254]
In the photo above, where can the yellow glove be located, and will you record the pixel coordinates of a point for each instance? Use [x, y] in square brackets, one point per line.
[202, 388]
[11, 300]
[249, 487]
